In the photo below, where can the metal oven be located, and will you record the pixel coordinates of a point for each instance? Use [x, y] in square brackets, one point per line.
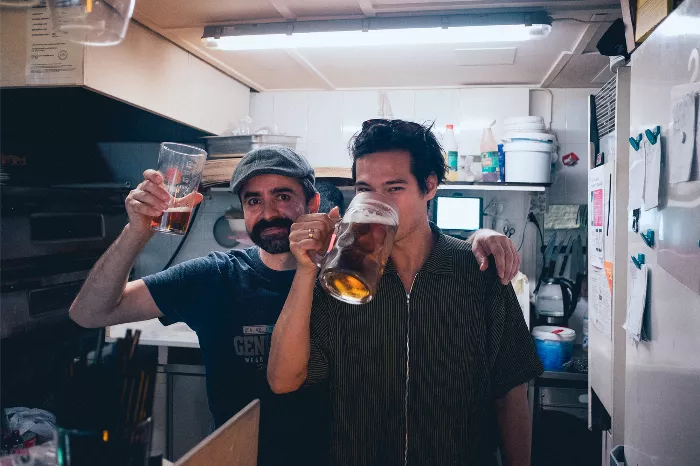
[49, 240]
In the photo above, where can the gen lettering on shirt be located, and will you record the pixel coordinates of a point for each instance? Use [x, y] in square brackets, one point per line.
[254, 344]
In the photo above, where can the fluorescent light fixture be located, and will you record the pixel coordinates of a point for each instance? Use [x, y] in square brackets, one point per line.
[455, 29]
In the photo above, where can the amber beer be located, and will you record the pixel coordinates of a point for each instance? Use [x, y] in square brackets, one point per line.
[181, 167]
[174, 220]
[352, 269]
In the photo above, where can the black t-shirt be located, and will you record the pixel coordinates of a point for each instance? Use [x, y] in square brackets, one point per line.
[232, 300]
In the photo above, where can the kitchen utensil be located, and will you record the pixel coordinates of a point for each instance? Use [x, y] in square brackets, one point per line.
[548, 255]
[237, 146]
[567, 253]
[577, 265]
[556, 300]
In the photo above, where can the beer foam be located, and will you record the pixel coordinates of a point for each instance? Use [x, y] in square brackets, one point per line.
[362, 216]
[179, 209]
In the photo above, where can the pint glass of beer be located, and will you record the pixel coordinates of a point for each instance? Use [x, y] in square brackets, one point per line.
[364, 237]
[181, 167]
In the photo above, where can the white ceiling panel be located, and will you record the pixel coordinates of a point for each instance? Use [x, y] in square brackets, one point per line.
[485, 57]
[269, 69]
[581, 71]
[423, 66]
[435, 64]
[180, 14]
[321, 8]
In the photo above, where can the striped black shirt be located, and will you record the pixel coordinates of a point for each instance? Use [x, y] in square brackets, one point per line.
[414, 377]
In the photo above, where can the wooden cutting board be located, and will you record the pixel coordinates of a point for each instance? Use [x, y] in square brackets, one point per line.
[233, 444]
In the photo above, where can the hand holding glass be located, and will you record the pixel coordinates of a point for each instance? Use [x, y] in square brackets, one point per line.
[351, 270]
[181, 167]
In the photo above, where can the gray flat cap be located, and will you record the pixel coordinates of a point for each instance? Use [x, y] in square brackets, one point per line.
[273, 160]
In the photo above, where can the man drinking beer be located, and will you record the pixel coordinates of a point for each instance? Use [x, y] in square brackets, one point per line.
[433, 370]
[231, 299]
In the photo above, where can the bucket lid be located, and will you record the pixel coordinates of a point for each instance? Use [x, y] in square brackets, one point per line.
[544, 332]
[530, 135]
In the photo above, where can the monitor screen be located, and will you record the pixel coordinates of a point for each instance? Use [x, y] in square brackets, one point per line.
[458, 213]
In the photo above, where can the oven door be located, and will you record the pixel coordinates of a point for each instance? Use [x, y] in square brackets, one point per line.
[51, 238]
[33, 302]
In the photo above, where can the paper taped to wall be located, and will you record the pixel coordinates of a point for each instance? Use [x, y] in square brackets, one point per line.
[51, 57]
[596, 215]
[637, 173]
[652, 155]
[600, 302]
[682, 138]
[636, 300]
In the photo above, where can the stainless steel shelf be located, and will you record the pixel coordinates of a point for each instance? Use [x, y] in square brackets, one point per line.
[495, 186]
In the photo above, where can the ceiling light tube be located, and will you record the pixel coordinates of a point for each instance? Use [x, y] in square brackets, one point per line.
[380, 32]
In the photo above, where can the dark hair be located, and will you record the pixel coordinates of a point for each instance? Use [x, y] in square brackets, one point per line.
[331, 197]
[308, 188]
[418, 140]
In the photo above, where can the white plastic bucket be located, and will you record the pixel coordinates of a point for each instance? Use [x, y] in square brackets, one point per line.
[528, 167]
[528, 146]
[512, 136]
[554, 349]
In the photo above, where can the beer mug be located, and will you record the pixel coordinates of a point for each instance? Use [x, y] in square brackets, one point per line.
[181, 167]
[351, 269]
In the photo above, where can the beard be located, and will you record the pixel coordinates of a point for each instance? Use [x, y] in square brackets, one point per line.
[273, 243]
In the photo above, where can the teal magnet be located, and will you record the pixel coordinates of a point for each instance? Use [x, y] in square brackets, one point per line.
[635, 142]
[653, 136]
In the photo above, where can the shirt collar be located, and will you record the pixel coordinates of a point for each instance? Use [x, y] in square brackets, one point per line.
[440, 261]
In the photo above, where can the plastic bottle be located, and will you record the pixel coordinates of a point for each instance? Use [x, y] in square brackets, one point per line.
[501, 164]
[585, 331]
[489, 156]
[450, 146]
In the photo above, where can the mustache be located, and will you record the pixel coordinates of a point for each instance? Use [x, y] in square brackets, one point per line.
[279, 222]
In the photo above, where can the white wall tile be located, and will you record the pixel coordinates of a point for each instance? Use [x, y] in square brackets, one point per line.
[482, 106]
[358, 106]
[291, 113]
[577, 116]
[325, 118]
[302, 148]
[559, 114]
[262, 109]
[435, 106]
[402, 104]
[571, 183]
[328, 154]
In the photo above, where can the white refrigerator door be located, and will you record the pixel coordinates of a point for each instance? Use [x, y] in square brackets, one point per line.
[662, 399]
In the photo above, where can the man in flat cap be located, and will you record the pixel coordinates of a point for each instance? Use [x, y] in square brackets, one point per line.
[231, 299]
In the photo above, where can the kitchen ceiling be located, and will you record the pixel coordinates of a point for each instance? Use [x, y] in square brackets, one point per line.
[566, 58]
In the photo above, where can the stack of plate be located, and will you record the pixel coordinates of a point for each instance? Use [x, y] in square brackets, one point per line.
[530, 150]
[4, 177]
[528, 123]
